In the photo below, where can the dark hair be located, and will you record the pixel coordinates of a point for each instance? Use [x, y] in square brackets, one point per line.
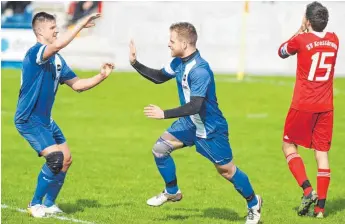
[185, 30]
[317, 14]
[41, 17]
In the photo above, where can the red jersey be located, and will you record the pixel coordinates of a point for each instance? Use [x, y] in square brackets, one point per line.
[316, 57]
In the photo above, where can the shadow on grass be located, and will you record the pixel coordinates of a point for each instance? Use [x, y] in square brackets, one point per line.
[213, 213]
[81, 204]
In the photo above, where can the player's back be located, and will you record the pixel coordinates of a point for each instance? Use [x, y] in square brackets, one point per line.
[316, 58]
[38, 86]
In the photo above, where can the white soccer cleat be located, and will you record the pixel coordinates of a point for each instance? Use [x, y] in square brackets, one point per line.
[164, 197]
[254, 213]
[54, 209]
[36, 211]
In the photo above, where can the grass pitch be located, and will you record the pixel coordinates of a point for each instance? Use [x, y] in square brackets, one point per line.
[113, 171]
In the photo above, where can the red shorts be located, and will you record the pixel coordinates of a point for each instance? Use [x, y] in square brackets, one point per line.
[308, 129]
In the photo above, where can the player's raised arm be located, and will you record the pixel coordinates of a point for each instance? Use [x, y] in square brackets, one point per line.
[80, 85]
[291, 46]
[154, 75]
[67, 37]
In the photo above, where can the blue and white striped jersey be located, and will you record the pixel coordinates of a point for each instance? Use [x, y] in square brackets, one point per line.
[39, 84]
[194, 77]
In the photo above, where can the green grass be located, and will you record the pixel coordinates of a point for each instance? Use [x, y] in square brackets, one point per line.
[113, 173]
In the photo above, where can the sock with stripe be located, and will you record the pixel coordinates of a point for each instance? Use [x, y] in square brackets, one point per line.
[297, 169]
[323, 180]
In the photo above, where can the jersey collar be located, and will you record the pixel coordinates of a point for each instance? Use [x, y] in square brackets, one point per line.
[190, 57]
[319, 34]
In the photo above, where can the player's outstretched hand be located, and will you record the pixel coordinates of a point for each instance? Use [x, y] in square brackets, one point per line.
[132, 52]
[88, 21]
[153, 111]
[106, 69]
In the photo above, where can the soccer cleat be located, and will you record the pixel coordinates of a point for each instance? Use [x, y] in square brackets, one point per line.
[164, 197]
[54, 209]
[319, 215]
[36, 211]
[254, 213]
[307, 201]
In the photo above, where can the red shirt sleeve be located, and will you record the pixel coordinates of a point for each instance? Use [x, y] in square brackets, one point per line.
[289, 47]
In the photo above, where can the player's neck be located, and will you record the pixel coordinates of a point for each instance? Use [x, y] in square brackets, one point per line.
[310, 29]
[189, 52]
[319, 34]
[42, 41]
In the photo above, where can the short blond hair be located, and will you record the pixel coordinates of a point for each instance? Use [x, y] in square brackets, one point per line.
[185, 30]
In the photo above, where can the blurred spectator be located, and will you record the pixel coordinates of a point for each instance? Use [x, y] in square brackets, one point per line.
[78, 10]
[14, 7]
[15, 13]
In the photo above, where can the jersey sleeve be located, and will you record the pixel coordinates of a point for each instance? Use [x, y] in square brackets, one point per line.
[36, 54]
[200, 79]
[289, 47]
[169, 70]
[66, 71]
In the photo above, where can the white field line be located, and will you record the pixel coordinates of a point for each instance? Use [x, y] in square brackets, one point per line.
[3, 206]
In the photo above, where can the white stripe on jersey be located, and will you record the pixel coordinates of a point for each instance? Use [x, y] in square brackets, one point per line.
[200, 127]
[39, 56]
[169, 70]
[58, 67]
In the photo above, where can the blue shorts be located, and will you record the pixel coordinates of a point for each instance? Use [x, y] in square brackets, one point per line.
[217, 149]
[39, 135]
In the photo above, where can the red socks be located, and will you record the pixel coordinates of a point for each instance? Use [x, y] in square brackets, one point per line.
[323, 179]
[297, 169]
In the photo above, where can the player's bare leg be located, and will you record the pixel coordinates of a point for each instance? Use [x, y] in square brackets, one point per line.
[53, 165]
[323, 179]
[54, 189]
[297, 169]
[241, 183]
[166, 166]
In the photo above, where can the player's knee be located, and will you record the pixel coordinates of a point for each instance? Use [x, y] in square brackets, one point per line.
[284, 146]
[54, 161]
[67, 162]
[227, 171]
[289, 148]
[162, 148]
[321, 156]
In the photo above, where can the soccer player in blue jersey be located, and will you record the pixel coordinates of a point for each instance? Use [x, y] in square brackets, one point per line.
[43, 70]
[200, 121]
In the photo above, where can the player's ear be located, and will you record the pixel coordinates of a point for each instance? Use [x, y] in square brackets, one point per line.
[184, 44]
[38, 31]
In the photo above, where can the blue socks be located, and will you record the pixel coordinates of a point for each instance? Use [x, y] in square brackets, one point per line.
[54, 189]
[45, 178]
[166, 167]
[243, 186]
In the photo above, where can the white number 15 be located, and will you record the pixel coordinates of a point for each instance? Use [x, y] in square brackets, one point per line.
[314, 64]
